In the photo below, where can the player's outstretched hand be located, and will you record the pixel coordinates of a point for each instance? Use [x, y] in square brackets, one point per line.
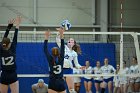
[10, 23]
[61, 31]
[18, 21]
[47, 34]
[82, 67]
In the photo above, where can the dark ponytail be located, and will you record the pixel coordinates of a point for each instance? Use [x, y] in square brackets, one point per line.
[5, 42]
[77, 48]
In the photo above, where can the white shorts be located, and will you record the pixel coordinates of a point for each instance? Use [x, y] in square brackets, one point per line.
[117, 84]
[124, 82]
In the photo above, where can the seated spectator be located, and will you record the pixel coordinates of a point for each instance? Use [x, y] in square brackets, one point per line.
[40, 87]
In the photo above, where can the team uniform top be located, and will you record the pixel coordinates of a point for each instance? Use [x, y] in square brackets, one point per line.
[88, 70]
[69, 56]
[134, 69]
[55, 66]
[124, 79]
[77, 71]
[109, 69]
[8, 57]
[97, 71]
[37, 89]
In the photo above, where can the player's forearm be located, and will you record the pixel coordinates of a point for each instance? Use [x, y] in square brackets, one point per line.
[45, 46]
[8, 29]
[17, 26]
[62, 48]
[15, 36]
[77, 63]
[46, 49]
[62, 36]
[58, 41]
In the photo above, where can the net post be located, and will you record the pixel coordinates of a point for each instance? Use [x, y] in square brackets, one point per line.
[136, 44]
[121, 51]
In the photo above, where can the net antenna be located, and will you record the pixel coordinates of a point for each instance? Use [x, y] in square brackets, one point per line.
[121, 36]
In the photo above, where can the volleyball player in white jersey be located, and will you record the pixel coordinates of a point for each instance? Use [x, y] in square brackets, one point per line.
[116, 81]
[135, 81]
[77, 80]
[124, 80]
[107, 80]
[98, 79]
[71, 53]
[88, 79]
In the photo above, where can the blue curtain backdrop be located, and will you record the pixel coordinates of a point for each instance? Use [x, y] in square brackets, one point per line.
[31, 60]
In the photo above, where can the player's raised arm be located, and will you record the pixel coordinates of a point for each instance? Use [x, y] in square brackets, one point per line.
[17, 22]
[58, 40]
[62, 47]
[47, 34]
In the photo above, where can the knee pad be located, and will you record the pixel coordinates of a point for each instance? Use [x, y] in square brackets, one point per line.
[72, 91]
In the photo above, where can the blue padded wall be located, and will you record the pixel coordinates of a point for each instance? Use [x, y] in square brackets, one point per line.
[31, 60]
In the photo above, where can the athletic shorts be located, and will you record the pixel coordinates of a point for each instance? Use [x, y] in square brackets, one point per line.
[124, 82]
[98, 81]
[117, 84]
[107, 80]
[67, 71]
[8, 77]
[57, 84]
[88, 80]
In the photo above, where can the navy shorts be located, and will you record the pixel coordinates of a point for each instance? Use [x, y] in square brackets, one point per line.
[98, 81]
[8, 77]
[107, 80]
[87, 80]
[67, 71]
[57, 84]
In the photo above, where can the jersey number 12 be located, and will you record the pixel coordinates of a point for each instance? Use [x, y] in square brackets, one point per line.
[7, 61]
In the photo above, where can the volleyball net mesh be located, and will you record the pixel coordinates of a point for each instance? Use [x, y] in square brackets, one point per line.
[116, 46]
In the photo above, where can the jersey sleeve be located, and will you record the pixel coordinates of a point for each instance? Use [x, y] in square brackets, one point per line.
[8, 29]
[76, 61]
[46, 86]
[101, 69]
[90, 70]
[62, 48]
[113, 69]
[34, 88]
[46, 51]
[14, 43]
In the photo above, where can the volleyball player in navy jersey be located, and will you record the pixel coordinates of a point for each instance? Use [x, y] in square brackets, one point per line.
[8, 59]
[56, 60]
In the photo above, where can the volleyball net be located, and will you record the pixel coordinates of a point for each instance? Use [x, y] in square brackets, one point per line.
[116, 46]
